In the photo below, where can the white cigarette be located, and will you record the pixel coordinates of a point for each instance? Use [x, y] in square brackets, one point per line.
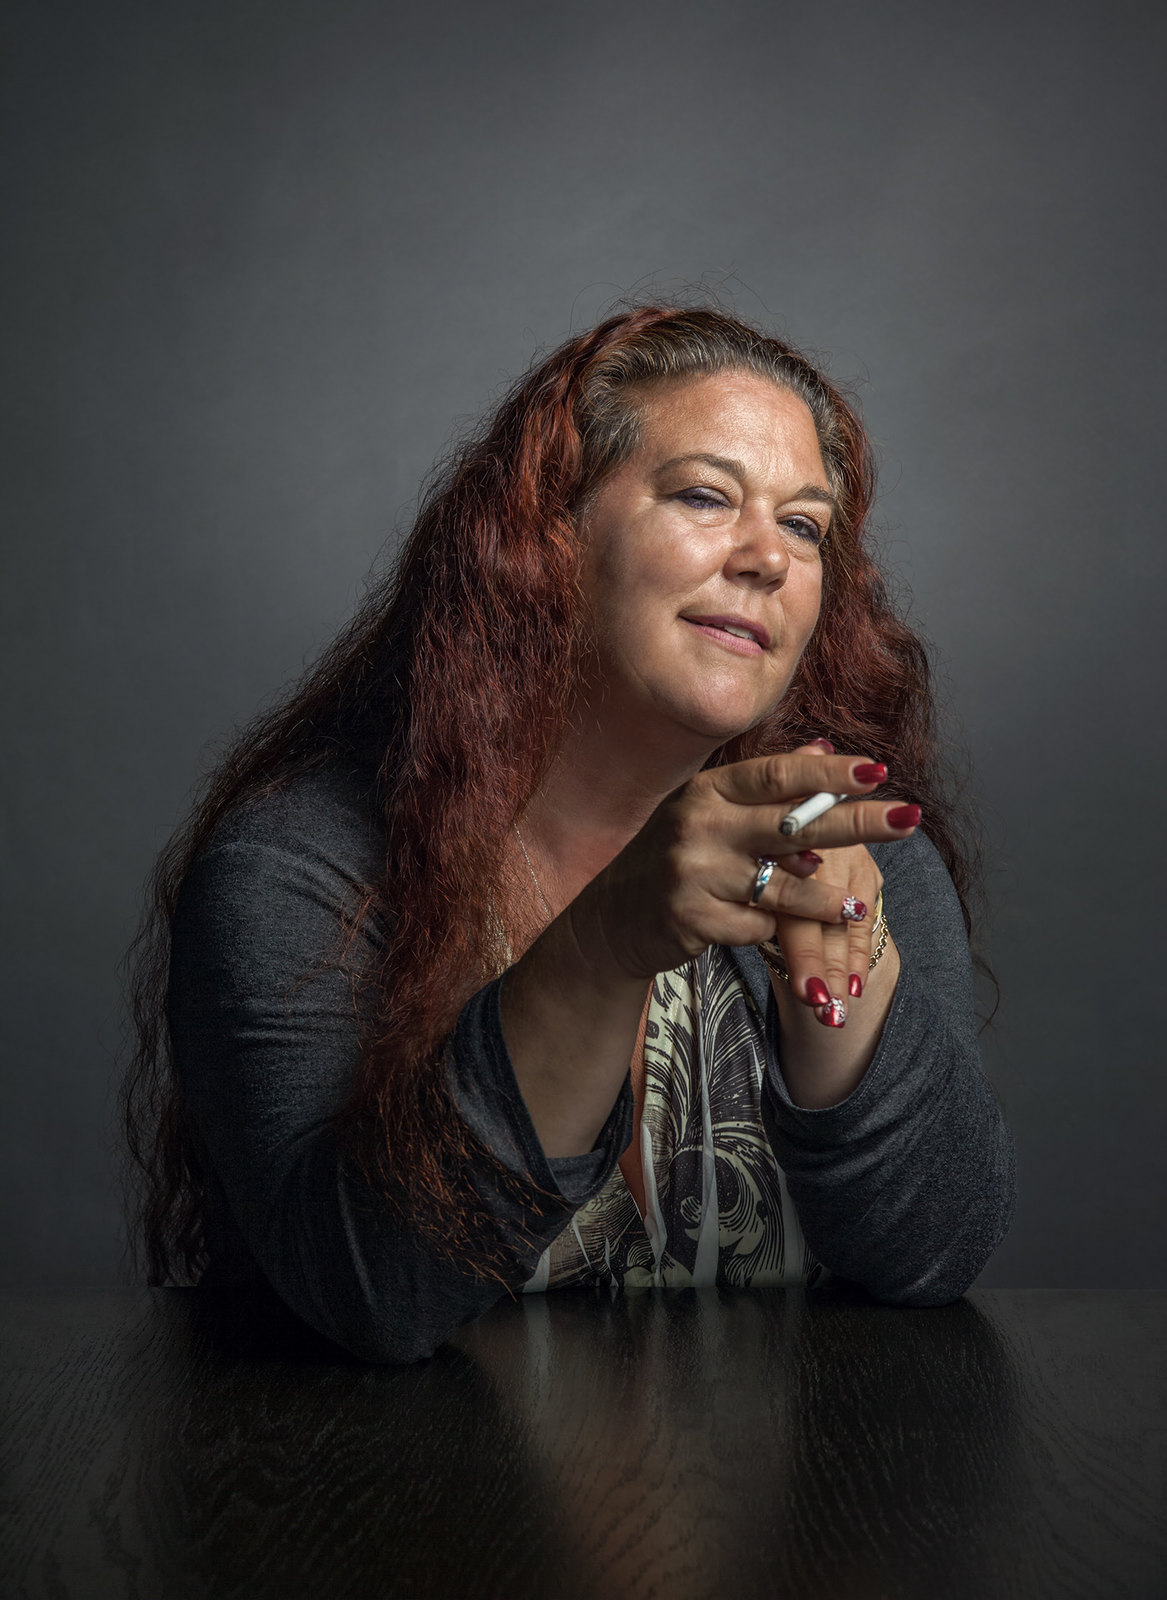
[816, 806]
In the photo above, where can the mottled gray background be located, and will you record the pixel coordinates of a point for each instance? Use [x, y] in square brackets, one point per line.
[262, 260]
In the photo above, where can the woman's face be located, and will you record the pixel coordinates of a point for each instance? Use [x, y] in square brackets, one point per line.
[701, 558]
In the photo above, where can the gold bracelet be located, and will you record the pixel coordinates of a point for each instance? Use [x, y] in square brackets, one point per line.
[776, 961]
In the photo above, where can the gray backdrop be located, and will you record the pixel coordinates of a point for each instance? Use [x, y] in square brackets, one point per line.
[261, 261]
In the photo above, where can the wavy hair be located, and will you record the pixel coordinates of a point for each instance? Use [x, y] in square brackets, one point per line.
[453, 682]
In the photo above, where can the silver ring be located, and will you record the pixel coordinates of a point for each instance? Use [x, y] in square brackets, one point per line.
[766, 865]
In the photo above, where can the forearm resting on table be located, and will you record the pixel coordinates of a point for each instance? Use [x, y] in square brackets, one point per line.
[570, 1021]
[822, 1066]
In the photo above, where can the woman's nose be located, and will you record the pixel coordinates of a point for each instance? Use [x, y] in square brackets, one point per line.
[760, 551]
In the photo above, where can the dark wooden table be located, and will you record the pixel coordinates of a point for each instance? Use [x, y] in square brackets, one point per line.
[671, 1444]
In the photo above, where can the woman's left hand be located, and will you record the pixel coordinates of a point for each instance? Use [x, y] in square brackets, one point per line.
[828, 963]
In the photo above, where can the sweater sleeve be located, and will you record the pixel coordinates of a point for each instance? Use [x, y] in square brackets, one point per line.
[907, 1186]
[265, 1040]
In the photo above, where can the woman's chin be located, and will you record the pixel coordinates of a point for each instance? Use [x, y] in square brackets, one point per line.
[718, 724]
[695, 719]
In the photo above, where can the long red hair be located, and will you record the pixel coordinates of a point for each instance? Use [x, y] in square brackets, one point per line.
[453, 682]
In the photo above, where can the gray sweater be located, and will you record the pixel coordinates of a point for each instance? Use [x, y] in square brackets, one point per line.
[906, 1187]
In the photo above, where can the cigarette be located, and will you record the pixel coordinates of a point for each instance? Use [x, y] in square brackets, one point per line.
[816, 806]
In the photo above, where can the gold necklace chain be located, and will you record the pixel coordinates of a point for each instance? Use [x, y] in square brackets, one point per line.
[531, 869]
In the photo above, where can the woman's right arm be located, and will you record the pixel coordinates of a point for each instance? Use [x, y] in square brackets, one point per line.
[265, 1040]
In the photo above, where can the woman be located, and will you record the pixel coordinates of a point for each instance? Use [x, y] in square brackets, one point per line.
[484, 964]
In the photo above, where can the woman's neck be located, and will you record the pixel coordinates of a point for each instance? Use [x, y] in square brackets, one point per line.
[599, 792]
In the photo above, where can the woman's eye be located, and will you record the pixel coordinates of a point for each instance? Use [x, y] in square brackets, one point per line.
[806, 528]
[703, 499]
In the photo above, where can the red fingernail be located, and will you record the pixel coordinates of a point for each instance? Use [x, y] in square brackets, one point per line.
[833, 1014]
[854, 986]
[810, 855]
[817, 992]
[869, 772]
[822, 744]
[903, 816]
[853, 910]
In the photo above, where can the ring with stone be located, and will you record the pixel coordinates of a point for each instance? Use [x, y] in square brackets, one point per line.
[766, 865]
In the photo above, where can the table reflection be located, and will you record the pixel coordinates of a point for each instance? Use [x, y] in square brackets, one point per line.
[698, 1443]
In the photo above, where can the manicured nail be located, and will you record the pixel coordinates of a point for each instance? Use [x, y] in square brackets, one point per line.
[812, 856]
[817, 992]
[903, 816]
[822, 744]
[854, 986]
[869, 772]
[853, 910]
[833, 1014]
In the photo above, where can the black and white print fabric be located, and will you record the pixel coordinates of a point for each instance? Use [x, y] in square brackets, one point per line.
[717, 1208]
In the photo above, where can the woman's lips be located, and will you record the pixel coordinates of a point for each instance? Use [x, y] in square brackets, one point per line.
[729, 641]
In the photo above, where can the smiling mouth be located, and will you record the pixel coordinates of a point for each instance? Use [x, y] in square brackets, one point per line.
[742, 641]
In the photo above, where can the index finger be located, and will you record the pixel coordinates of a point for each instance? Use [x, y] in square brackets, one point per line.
[793, 774]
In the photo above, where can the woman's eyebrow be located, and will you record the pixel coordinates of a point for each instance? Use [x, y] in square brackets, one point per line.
[815, 491]
[736, 469]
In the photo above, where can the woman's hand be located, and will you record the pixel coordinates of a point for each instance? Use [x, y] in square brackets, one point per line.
[828, 963]
[685, 881]
[571, 1003]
